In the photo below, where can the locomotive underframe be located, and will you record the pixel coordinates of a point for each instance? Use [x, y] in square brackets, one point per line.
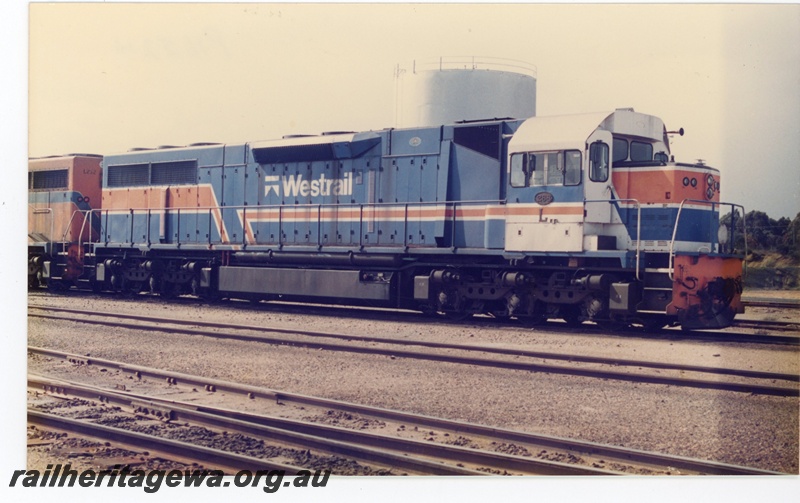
[534, 289]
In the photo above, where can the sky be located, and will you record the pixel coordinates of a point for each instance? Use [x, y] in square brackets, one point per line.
[105, 77]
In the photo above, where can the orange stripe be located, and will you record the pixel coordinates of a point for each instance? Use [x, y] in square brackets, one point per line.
[661, 187]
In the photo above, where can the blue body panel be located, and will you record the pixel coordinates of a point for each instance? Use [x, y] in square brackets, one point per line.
[411, 189]
[696, 225]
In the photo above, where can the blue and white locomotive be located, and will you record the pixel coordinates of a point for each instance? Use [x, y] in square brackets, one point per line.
[580, 217]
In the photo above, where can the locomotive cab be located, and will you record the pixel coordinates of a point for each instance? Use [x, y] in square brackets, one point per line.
[600, 187]
[61, 191]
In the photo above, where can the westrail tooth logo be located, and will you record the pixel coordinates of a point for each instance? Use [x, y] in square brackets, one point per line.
[295, 185]
[272, 184]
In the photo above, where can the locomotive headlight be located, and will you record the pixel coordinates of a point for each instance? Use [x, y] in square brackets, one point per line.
[723, 235]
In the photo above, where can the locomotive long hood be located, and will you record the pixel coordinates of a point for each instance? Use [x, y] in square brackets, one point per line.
[314, 148]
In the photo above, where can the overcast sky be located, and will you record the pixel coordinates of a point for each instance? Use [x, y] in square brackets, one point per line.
[105, 78]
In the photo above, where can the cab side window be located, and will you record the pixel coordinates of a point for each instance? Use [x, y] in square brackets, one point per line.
[598, 162]
[534, 169]
[519, 174]
[572, 167]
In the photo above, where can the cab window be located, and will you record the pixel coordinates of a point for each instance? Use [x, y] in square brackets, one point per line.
[533, 169]
[519, 172]
[620, 149]
[641, 151]
[598, 162]
[572, 167]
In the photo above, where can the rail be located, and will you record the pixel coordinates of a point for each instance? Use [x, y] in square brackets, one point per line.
[638, 224]
[714, 240]
[499, 435]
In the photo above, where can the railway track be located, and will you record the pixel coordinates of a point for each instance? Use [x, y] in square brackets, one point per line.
[747, 381]
[778, 304]
[768, 325]
[446, 450]
[220, 459]
[769, 332]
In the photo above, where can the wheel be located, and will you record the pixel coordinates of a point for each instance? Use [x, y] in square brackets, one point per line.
[167, 290]
[534, 320]
[612, 325]
[572, 315]
[654, 324]
[457, 315]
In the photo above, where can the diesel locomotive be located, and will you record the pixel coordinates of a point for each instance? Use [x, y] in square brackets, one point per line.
[577, 217]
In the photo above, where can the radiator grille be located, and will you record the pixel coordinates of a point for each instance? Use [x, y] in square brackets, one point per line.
[128, 175]
[55, 179]
[173, 173]
[157, 173]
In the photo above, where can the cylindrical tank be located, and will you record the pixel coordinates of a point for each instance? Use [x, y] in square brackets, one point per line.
[450, 90]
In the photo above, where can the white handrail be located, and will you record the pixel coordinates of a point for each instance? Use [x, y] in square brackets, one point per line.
[713, 204]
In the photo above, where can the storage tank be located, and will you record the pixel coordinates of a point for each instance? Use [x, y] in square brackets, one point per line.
[449, 90]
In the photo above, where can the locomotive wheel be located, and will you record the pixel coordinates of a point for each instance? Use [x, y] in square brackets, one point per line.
[654, 324]
[196, 287]
[427, 309]
[457, 315]
[56, 286]
[572, 315]
[132, 288]
[612, 325]
[533, 320]
[167, 290]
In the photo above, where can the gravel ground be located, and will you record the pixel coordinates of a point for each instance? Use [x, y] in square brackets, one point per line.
[727, 427]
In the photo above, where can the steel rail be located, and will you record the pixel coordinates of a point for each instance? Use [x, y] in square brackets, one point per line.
[555, 326]
[174, 447]
[360, 445]
[607, 452]
[484, 362]
[786, 326]
[423, 343]
[779, 304]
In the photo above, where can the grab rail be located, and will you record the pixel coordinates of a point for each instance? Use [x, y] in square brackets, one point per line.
[714, 240]
[247, 214]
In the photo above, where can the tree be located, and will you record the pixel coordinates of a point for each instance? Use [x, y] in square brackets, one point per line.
[790, 241]
[765, 234]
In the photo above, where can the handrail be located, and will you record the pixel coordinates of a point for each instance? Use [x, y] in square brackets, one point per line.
[712, 241]
[83, 227]
[364, 210]
[245, 215]
[638, 224]
[315, 205]
[69, 225]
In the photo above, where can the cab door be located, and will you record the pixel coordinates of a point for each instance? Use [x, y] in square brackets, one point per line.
[597, 190]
